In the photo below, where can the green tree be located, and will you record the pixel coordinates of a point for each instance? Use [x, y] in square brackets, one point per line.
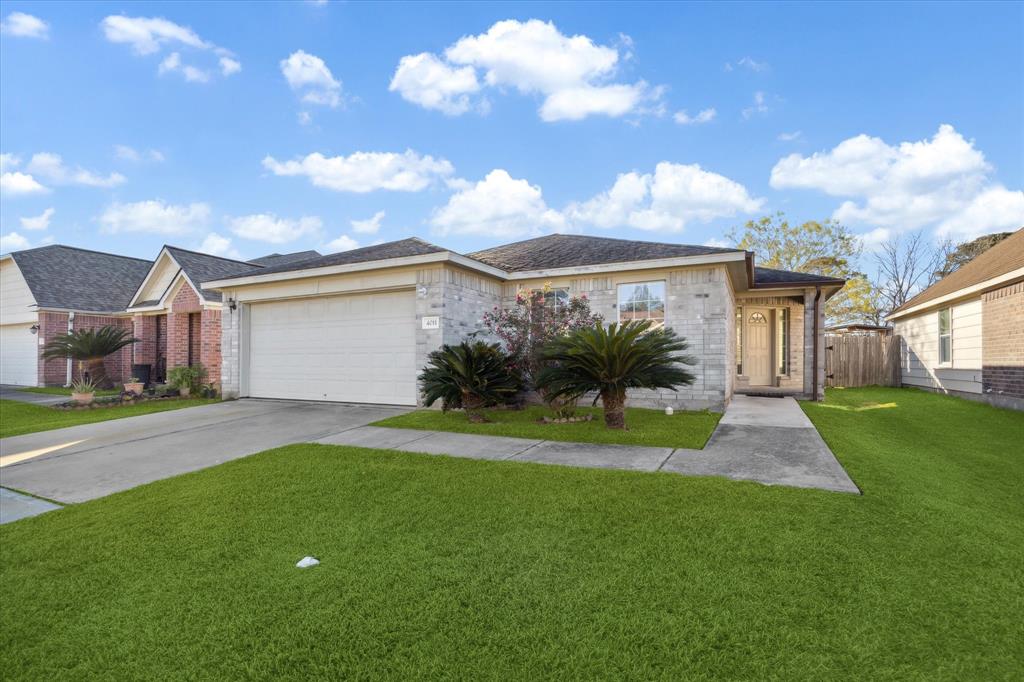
[825, 248]
[609, 360]
[89, 347]
[955, 257]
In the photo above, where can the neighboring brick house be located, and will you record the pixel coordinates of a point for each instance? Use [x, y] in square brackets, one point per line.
[357, 326]
[52, 290]
[964, 335]
[178, 322]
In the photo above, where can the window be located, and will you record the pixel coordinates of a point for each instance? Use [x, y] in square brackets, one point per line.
[556, 298]
[782, 341]
[945, 337]
[739, 340]
[642, 301]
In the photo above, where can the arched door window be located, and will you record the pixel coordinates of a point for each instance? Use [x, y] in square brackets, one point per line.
[758, 318]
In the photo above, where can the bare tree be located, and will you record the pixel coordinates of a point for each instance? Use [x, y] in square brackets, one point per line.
[905, 264]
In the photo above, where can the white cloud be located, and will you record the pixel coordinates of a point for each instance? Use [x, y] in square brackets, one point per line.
[13, 241]
[309, 76]
[760, 105]
[425, 80]
[39, 222]
[50, 167]
[342, 243]
[366, 171]
[23, 25]
[127, 153]
[704, 116]
[718, 242]
[267, 227]
[673, 196]
[747, 63]
[9, 162]
[790, 137]
[368, 226]
[154, 216]
[304, 118]
[497, 206]
[149, 35]
[571, 73]
[218, 245]
[229, 66]
[14, 183]
[943, 181]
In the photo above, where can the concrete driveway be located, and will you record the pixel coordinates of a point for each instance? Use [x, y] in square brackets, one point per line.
[82, 463]
[9, 392]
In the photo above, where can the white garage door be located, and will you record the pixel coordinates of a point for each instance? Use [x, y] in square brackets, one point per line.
[359, 348]
[19, 355]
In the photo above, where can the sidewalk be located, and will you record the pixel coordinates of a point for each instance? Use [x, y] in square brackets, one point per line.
[769, 440]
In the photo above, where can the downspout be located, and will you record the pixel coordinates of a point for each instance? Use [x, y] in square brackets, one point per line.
[814, 372]
[71, 328]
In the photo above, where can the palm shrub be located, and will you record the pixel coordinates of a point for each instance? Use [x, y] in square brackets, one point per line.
[471, 376]
[609, 360]
[89, 347]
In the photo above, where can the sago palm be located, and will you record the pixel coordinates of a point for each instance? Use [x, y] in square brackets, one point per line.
[609, 360]
[470, 376]
[89, 347]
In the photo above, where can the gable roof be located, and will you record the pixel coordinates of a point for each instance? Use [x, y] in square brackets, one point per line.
[574, 250]
[202, 267]
[282, 258]
[774, 278]
[403, 248]
[70, 278]
[1001, 259]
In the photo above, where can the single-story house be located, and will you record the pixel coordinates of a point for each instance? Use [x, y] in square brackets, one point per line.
[964, 335]
[56, 289]
[357, 326]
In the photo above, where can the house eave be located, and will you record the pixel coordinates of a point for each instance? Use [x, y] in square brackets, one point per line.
[652, 264]
[966, 292]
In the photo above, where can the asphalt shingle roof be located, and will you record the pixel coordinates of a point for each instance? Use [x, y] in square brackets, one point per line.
[772, 276]
[283, 258]
[572, 250]
[78, 279]
[1004, 257]
[398, 249]
[202, 267]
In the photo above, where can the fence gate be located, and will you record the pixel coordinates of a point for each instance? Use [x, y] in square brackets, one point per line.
[862, 360]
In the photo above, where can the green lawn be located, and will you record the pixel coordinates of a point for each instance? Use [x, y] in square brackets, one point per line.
[645, 427]
[443, 567]
[17, 418]
[60, 390]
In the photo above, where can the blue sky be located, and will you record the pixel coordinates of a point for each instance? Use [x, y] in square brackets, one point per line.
[244, 129]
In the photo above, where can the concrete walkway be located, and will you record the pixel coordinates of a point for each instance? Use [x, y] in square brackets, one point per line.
[769, 440]
[8, 392]
[14, 506]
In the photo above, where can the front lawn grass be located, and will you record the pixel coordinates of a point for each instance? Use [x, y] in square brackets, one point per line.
[60, 390]
[645, 427]
[17, 418]
[437, 567]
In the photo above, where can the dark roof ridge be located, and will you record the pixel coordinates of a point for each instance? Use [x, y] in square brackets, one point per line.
[210, 255]
[79, 248]
[611, 239]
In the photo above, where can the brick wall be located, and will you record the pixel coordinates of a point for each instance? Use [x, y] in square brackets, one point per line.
[209, 347]
[1002, 365]
[184, 303]
[54, 372]
[145, 331]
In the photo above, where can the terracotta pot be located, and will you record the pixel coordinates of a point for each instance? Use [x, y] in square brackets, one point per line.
[83, 398]
[135, 388]
[185, 391]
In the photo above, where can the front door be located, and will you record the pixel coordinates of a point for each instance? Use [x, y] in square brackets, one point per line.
[757, 363]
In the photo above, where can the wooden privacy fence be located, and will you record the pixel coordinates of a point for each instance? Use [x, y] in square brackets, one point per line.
[862, 360]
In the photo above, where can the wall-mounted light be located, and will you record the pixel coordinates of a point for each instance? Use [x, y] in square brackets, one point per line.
[232, 304]
[34, 329]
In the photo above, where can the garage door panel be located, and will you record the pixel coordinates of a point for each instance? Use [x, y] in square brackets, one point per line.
[19, 355]
[357, 348]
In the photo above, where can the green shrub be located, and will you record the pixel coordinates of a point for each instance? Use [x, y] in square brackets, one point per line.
[471, 376]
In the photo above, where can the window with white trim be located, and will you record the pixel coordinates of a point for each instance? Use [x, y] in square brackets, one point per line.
[946, 336]
[556, 298]
[782, 341]
[642, 301]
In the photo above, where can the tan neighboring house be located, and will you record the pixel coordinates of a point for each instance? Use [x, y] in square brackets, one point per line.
[964, 335]
[357, 326]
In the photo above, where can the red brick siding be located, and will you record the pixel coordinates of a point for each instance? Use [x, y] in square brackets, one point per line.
[1002, 353]
[184, 303]
[145, 331]
[194, 337]
[54, 372]
[193, 333]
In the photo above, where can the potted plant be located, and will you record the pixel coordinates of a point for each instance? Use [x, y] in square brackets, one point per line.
[134, 386]
[83, 391]
[89, 347]
[186, 379]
